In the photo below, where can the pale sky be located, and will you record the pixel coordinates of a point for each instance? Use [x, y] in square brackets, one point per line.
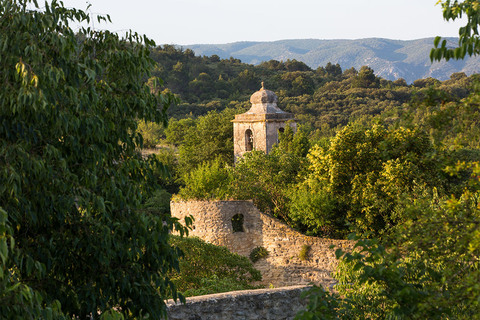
[186, 22]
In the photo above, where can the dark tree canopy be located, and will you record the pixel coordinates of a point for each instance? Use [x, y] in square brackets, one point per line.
[71, 176]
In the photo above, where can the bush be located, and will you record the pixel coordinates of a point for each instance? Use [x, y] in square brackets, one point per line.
[258, 253]
[159, 202]
[209, 180]
[151, 132]
[315, 212]
[207, 268]
[167, 172]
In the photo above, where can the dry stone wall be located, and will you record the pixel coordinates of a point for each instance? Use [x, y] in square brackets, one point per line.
[283, 266]
[264, 304]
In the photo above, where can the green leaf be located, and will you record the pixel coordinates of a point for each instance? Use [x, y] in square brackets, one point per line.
[338, 253]
[3, 250]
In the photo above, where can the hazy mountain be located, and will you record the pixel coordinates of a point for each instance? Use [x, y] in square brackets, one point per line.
[391, 59]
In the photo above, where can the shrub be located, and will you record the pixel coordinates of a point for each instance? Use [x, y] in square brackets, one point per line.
[207, 268]
[166, 172]
[258, 253]
[151, 132]
[209, 180]
[159, 202]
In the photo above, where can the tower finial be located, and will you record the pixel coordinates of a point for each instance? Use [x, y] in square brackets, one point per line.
[263, 87]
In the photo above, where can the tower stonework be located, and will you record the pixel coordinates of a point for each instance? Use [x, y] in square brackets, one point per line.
[259, 127]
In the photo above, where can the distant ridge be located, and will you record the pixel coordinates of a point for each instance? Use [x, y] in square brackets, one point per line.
[391, 59]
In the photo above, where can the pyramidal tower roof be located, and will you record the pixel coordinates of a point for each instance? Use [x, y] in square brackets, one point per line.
[264, 106]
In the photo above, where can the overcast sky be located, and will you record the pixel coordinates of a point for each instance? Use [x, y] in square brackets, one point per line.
[223, 21]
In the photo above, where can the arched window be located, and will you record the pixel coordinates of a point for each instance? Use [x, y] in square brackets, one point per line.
[280, 131]
[248, 140]
[237, 222]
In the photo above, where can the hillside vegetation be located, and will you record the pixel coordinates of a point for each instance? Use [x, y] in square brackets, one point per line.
[391, 165]
[324, 98]
[378, 136]
[391, 59]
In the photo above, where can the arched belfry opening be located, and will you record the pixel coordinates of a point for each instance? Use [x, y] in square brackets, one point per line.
[280, 131]
[248, 140]
[260, 127]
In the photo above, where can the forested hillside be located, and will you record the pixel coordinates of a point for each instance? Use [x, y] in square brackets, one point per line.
[325, 101]
[324, 98]
[391, 59]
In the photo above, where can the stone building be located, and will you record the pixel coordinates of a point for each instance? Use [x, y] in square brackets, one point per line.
[259, 127]
[241, 227]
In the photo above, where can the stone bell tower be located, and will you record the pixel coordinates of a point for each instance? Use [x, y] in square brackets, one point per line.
[259, 127]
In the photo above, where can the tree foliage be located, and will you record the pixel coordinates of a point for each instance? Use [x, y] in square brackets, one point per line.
[354, 183]
[210, 180]
[72, 178]
[428, 268]
[469, 40]
[365, 79]
[210, 138]
[323, 99]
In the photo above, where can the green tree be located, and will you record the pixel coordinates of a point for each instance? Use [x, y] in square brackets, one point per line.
[72, 179]
[469, 39]
[302, 85]
[427, 82]
[151, 132]
[295, 65]
[362, 173]
[273, 65]
[366, 78]
[333, 71]
[267, 178]
[293, 143]
[177, 129]
[210, 180]
[400, 82]
[297, 83]
[427, 269]
[315, 212]
[202, 86]
[210, 138]
[247, 80]
[451, 122]
[18, 299]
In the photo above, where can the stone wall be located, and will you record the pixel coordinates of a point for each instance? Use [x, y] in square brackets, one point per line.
[265, 304]
[283, 266]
